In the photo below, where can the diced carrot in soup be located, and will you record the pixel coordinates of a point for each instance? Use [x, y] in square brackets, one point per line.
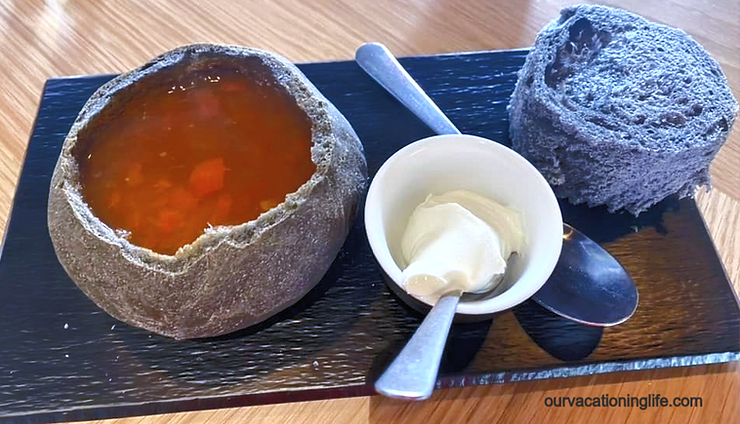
[208, 177]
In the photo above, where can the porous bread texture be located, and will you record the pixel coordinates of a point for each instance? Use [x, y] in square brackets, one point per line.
[620, 111]
[230, 277]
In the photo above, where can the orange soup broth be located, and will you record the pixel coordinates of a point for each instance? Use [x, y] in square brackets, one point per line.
[205, 149]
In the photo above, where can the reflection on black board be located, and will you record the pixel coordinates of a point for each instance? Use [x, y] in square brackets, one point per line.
[604, 227]
[463, 344]
[560, 337]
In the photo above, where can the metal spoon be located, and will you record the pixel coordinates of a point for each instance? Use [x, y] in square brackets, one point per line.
[588, 284]
[413, 373]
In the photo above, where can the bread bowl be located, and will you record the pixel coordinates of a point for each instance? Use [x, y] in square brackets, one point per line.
[230, 276]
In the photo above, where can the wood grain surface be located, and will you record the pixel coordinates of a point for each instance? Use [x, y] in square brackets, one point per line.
[43, 39]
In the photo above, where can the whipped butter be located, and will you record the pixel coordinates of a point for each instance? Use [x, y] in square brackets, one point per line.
[458, 241]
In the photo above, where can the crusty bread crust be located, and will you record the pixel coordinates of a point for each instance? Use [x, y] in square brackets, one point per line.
[231, 276]
[619, 111]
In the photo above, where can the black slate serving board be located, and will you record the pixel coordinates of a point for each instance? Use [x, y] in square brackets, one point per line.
[62, 359]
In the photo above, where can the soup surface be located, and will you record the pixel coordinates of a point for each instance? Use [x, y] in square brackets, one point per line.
[203, 148]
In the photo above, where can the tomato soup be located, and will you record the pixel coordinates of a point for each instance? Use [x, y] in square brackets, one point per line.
[200, 148]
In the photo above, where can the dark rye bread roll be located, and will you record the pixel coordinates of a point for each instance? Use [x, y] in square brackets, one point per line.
[616, 110]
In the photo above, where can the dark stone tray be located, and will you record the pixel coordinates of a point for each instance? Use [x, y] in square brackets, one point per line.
[62, 358]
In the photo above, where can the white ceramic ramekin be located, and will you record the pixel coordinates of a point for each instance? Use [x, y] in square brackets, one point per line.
[449, 162]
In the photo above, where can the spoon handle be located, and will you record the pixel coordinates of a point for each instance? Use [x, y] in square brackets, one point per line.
[383, 67]
[413, 374]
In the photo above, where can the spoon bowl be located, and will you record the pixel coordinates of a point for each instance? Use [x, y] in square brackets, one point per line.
[588, 285]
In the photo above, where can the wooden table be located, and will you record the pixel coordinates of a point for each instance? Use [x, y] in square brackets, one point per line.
[43, 39]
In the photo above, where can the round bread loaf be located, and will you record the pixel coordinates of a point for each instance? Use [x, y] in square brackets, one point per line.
[619, 111]
[230, 277]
